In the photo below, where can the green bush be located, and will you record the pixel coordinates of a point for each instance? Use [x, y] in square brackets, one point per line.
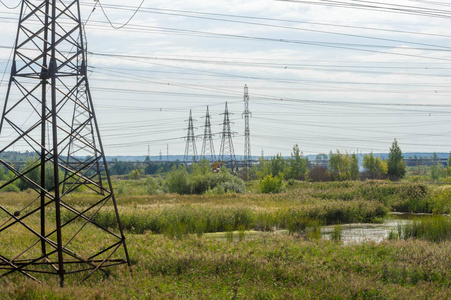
[440, 201]
[271, 184]
[230, 183]
[177, 180]
[199, 184]
[134, 174]
[419, 178]
[154, 185]
[202, 180]
[32, 171]
[319, 174]
[11, 188]
[412, 198]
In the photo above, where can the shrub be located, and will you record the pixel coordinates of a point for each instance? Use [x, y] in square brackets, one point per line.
[418, 178]
[271, 184]
[413, 197]
[202, 181]
[153, 185]
[134, 174]
[319, 173]
[438, 172]
[199, 184]
[11, 188]
[440, 201]
[177, 180]
[229, 183]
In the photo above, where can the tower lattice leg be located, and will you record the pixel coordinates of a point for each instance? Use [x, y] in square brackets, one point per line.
[48, 111]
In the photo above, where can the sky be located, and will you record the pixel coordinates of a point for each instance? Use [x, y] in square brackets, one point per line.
[322, 77]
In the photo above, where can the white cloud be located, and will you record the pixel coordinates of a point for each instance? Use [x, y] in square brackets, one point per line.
[276, 62]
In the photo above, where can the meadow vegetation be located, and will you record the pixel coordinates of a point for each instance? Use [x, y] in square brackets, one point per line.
[266, 266]
[434, 229]
[195, 234]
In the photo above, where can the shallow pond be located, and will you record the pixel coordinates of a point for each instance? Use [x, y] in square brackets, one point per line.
[351, 233]
[358, 233]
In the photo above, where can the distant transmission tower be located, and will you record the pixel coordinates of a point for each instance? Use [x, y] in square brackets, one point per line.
[227, 153]
[207, 144]
[49, 110]
[190, 148]
[247, 135]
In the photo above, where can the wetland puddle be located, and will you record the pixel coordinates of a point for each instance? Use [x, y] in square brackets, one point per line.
[351, 233]
[358, 233]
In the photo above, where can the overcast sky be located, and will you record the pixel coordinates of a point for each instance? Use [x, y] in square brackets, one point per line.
[325, 78]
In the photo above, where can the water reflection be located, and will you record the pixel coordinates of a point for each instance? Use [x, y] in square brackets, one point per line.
[358, 233]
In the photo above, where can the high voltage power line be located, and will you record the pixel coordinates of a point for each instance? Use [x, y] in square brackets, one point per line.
[380, 6]
[207, 69]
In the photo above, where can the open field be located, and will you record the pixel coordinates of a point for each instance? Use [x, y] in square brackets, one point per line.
[263, 267]
[175, 252]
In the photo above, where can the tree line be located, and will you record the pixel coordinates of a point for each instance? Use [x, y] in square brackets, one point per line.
[340, 167]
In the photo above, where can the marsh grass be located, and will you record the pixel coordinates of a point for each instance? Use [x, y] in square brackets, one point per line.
[183, 262]
[178, 220]
[337, 233]
[392, 235]
[434, 229]
[266, 267]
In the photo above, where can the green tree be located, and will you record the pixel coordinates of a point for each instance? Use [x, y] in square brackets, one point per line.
[438, 171]
[344, 166]
[121, 167]
[32, 172]
[375, 166]
[278, 165]
[3, 176]
[435, 158]
[262, 169]
[340, 165]
[201, 168]
[448, 165]
[395, 162]
[354, 171]
[297, 165]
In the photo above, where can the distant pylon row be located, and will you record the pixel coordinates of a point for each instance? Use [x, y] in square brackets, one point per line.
[226, 152]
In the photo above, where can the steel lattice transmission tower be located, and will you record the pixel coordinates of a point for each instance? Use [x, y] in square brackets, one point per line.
[227, 153]
[190, 148]
[247, 133]
[207, 144]
[48, 109]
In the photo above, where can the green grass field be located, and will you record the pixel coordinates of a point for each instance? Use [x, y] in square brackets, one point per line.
[176, 251]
